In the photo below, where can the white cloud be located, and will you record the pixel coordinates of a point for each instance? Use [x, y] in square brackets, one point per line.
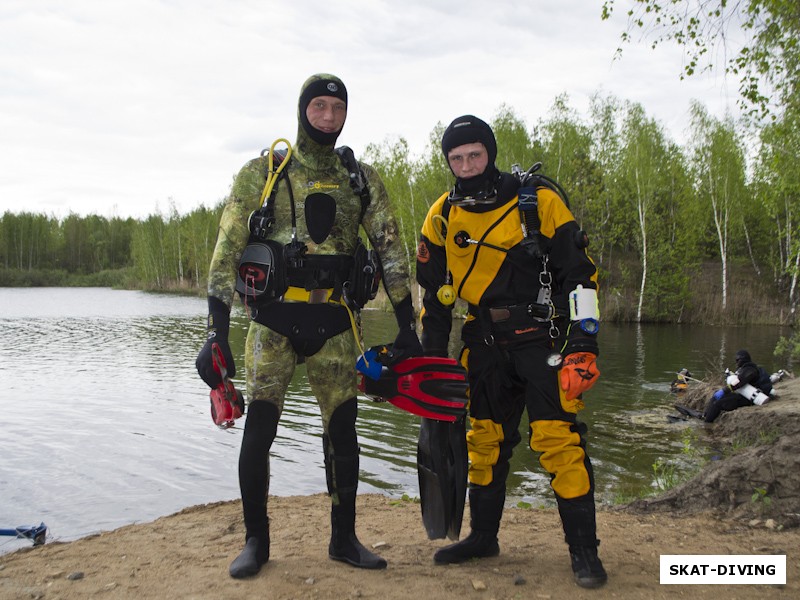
[118, 107]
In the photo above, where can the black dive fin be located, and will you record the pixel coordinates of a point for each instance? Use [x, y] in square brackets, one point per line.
[689, 412]
[442, 470]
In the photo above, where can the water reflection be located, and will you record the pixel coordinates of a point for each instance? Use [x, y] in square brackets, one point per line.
[107, 423]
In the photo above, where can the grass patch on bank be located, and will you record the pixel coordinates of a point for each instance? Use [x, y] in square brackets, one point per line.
[761, 437]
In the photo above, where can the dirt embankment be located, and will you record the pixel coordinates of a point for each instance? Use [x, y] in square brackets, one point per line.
[758, 474]
[186, 555]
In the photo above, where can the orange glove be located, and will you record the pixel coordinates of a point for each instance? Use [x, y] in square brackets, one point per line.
[578, 373]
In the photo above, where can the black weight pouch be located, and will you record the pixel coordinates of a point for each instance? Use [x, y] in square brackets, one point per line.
[364, 279]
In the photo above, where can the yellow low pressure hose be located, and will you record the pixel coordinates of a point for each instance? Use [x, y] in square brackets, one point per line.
[272, 176]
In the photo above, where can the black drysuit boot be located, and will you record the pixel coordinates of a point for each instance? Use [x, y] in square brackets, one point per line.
[341, 469]
[486, 510]
[586, 566]
[580, 531]
[259, 432]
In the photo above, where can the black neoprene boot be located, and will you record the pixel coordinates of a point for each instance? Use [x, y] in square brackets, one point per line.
[259, 433]
[250, 560]
[341, 469]
[344, 544]
[486, 510]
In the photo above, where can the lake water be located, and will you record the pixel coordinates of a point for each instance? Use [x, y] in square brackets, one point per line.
[106, 422]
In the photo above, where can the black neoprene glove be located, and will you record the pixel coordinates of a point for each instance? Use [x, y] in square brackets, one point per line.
[406, 344]
[219, 320]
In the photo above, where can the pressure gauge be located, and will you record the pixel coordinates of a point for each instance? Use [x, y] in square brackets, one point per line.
[555, 360]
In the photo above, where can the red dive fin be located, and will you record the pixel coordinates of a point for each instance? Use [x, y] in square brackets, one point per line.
[428, 386]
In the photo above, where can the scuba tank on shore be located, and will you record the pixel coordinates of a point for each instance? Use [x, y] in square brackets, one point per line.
[752, 393]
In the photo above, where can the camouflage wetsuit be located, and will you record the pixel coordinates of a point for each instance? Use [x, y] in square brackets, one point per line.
[292, 330]
[270, 357]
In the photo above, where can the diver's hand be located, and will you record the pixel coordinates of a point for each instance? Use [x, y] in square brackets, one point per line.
[218, 327]
[578, 374]
[205, 362]
[407, 344]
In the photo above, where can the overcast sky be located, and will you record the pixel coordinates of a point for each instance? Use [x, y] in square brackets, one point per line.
[122, 107]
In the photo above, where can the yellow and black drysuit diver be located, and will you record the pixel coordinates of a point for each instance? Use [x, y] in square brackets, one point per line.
[307, 242]
[516, 287]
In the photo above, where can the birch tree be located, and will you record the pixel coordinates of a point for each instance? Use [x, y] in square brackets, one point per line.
[778, 180]
[755, 40]
[568, 158]
[719, 174]
[643, 153]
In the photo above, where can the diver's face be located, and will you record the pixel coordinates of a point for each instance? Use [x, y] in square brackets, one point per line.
[327, 113]
[468, 160]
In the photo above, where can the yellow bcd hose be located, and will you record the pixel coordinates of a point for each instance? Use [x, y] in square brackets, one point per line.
[272, 175]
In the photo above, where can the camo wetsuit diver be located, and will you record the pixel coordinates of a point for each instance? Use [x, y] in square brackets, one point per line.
[308, 322]
[473, 239]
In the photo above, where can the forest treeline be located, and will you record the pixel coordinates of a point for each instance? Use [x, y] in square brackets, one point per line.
[703, 231]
